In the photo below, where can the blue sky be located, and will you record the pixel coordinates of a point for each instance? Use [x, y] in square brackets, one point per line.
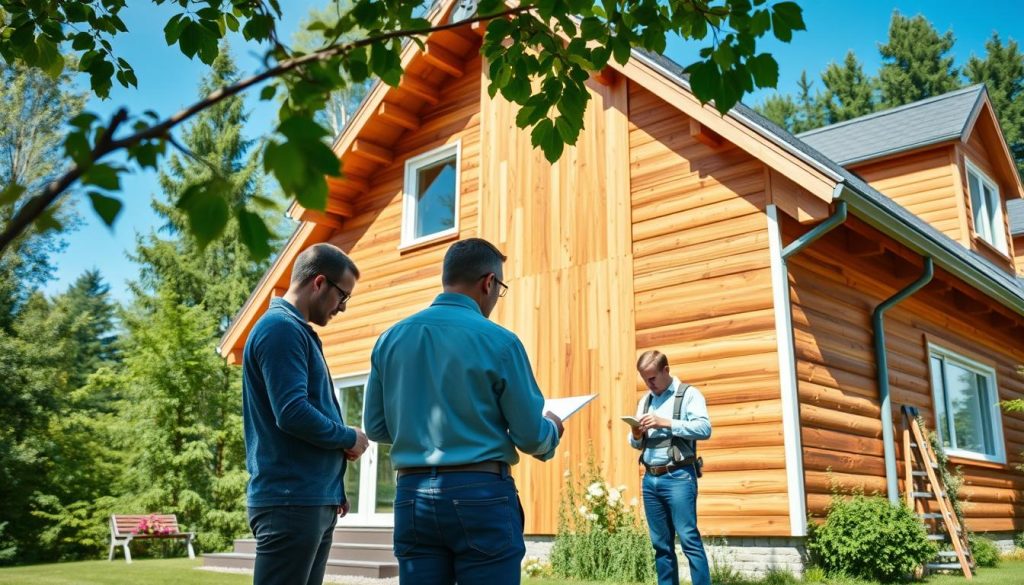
[168, 81]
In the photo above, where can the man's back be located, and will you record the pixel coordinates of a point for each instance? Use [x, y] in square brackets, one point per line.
[449, 387]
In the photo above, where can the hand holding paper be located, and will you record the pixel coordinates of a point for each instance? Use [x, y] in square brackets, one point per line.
[563, 408]
[631, 421]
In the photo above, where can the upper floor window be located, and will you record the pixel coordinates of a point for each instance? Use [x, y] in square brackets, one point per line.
[987, 209]
[966, 405]
[430, 207]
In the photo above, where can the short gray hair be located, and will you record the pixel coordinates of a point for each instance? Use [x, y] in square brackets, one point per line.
[326, 259]
[467, 260]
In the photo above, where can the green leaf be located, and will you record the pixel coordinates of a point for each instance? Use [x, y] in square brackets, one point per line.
[189, 39]
[173, 28]
[10, 194]
[760, 23]
[106, 207]
[267, 93]
[103, 176]
[82, 41]
[207, 211]
[76, 145]
[620, 49]
[302, 128]
[254, 234]
[791, 14]
[286, 163]
[313, 194]
[50, 59]
[764, 69]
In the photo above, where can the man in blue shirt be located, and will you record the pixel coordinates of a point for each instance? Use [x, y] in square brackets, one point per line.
[668, 447]
[455, 396]
[296, 442]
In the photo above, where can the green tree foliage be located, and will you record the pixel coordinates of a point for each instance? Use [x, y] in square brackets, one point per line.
[806, 112]
[182, 403]
[553, 44]
[849, 93]
[1002, 72]
[915, 62]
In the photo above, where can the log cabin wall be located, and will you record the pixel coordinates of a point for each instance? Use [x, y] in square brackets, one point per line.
[836, 283]
[704, 297]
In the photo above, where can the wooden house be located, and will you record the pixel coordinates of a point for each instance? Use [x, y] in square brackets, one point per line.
[753, 258]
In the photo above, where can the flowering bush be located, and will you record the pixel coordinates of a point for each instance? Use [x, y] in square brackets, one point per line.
[152, 525]
[600, 535]
[534, 567]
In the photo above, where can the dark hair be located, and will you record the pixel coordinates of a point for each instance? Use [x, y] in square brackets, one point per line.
[326, 259]
[652, 357]
[467, 260]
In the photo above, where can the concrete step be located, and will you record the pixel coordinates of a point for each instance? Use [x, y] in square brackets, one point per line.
[364, 535]
[374, 570]
[353, 551]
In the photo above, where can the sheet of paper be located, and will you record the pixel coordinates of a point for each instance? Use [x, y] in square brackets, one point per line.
[631, 421]
[563, 408]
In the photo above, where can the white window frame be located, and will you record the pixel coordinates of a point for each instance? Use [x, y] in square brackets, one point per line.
[410, 187]
[367, 516]
[992, 387]
[997, 227]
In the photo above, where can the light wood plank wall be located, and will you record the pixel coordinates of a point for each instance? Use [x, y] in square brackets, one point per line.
[833, 295]
[566, 230]
[925, 183]
[396, 284]
[975, 151]
[703, 296]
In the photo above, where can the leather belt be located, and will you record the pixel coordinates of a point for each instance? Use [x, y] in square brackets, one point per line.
[657, 470]
[499, 467]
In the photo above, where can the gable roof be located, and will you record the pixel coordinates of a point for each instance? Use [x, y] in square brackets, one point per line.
[907, 127]
[1015, 209]
[872, 206]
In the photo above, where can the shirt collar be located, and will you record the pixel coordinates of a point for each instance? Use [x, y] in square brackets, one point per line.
[671, 390]
[280, 303]
[457, 300]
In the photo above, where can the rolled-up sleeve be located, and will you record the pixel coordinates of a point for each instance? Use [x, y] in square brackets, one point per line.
[696, 424]
[522, 403]
[284, 366]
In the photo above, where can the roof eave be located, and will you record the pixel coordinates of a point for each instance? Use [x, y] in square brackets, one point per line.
[909, 235]
[900, 150]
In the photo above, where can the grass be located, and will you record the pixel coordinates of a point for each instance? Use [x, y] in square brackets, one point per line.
[177, 571]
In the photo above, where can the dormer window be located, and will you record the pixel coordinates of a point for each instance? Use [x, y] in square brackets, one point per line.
[987, 209]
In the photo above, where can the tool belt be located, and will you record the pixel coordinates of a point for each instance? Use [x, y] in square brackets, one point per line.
[657, 470]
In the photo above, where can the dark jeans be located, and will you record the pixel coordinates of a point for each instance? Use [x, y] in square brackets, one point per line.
[292, 543]
[670, 503]
[464, 527]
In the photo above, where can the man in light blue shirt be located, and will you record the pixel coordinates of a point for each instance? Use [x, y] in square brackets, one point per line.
[668, 445]
[455, 396]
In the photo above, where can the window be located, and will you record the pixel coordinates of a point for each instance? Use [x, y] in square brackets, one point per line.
[431, 201]
[987, 209]
[966, 406]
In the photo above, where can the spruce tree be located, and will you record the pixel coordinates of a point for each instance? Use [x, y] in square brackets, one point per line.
[1002, 72]
[915, 62]
[849, 93]
[780, 109]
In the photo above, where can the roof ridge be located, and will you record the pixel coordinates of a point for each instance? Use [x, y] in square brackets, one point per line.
[898, 109]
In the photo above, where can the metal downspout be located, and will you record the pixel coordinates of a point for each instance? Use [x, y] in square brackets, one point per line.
[881, 360]
[821, 229]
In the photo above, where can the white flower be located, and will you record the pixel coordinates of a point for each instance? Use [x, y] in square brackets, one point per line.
[583, 510]
[633, 502]
[614, 496]
[596, 490]
[622, 488]
[592, 517]
[567, 473]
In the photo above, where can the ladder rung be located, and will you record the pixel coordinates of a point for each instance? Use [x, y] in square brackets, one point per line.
[926, 495]
[945, 566]
[919, 473]
[952, 553]
[929, 515]
[936, 537]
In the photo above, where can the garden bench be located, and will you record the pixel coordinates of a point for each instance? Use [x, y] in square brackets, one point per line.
[124, 528]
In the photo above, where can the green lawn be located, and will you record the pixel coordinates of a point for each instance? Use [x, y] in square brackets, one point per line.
[177, 571]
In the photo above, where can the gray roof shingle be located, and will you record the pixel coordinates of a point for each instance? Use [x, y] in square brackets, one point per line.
[899, 129]
[908, 222]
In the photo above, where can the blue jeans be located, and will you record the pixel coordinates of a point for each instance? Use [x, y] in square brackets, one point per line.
[670, 503]
[292, 543]
[464, 527]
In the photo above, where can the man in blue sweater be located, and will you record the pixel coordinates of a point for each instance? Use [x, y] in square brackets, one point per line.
[296, 442]
[455, 396]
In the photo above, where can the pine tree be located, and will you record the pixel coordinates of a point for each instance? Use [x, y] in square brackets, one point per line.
[1002, 72]
[780, 109]
[916, 64]
[849, 93]
[189, 457]
[806, 112]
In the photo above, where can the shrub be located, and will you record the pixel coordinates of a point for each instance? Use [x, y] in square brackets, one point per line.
[867, 537]
[814, 575]
[984, 551]
[600, 536]
[776, 576]
[1018, 540]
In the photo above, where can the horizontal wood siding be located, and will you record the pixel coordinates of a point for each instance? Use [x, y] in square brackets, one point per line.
[565, 228]
[397, 283]
[975, 151]
[833, 296]
[704, 297]
[924, 182]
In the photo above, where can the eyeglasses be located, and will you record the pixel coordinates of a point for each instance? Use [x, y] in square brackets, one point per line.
[345, 296]
[504, 287]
